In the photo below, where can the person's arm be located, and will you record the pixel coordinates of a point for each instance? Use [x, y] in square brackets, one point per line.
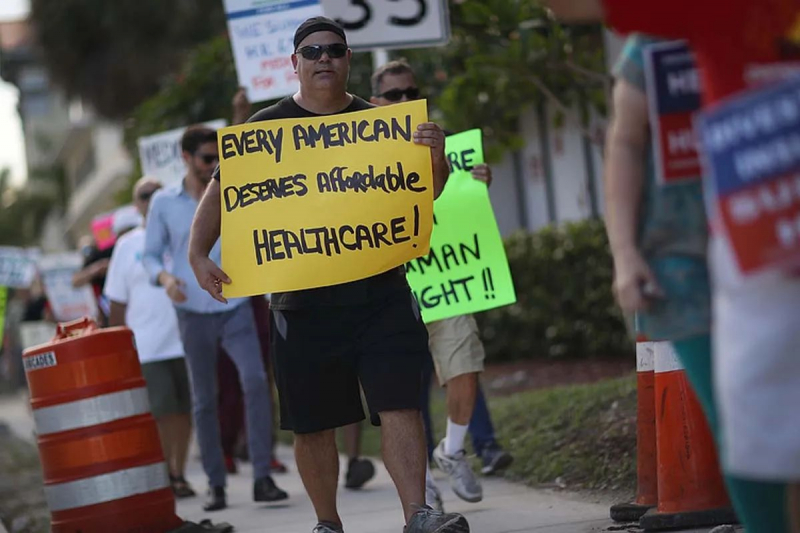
[430, 134]
[624, 174]
[116, 288]
[155, 244]
[241, 107]
[205, 232]
[85, 275]
[117, 315]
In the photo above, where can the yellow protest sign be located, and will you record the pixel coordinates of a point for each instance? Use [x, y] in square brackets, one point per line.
[314, 202]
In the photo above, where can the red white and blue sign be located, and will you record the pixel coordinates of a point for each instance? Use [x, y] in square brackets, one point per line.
[673, 92]
[752, 159]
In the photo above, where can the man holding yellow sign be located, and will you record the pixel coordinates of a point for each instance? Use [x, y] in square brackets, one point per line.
[321, 199]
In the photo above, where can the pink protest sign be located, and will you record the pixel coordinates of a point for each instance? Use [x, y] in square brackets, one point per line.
[102, 229]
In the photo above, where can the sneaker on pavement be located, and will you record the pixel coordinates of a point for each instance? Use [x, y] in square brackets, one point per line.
[724, 529]
[433, 498]
[462, 479]
[265, 490]
[495, 459]
[327, 527]
[359, 471]
[426, 520]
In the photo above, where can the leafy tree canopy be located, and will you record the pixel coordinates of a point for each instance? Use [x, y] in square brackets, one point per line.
[114, 55]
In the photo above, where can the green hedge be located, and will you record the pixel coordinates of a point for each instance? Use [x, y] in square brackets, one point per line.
[564, 303]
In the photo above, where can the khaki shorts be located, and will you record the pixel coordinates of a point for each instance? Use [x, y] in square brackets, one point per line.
[456, 347]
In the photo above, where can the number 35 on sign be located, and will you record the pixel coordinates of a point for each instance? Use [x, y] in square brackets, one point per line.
[391, 23]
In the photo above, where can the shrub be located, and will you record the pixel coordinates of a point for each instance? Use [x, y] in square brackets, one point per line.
[565, 307]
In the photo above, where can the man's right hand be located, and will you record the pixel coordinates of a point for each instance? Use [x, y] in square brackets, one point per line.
[210, 277]
[173, 286]
[634, 282]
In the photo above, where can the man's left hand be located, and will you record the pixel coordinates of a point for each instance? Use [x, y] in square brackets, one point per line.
[430, 134]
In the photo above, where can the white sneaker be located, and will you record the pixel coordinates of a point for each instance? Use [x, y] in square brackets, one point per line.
[433, 498]
[462, 479]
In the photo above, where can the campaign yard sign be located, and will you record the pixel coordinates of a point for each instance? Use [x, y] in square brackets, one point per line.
[752, 162]
[321, 201]
[466, 270]
[673, 93]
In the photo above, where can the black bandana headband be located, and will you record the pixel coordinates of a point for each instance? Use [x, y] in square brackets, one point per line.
[315, 24]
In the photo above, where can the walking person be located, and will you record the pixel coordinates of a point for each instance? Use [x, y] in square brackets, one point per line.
[327, 340]
[205, 324]
[147, 311]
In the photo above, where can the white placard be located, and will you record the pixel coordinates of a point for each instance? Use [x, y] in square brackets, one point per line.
[160, 154]
[36, 333]
[66, 302]
[17, 267]
[262, 34]
[391, 23]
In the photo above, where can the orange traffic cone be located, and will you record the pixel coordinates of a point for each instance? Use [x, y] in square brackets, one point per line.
[647, 480]
[101, 455]
[691, 492]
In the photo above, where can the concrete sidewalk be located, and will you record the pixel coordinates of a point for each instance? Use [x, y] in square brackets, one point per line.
[506, 508]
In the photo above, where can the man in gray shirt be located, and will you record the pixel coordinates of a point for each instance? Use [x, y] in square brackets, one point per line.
[205, 324]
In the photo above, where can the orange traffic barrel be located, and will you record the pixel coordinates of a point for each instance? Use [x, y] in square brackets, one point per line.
[691, 491]
[646, 464]
[101, 457]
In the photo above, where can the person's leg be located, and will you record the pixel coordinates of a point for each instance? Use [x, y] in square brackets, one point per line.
[427, 422]
[318, 465]
[261, 316]
[240, 340]
[461, 392]
[351, 435]
[231, 407]
[392, 347]
[481, 428]
[319, 391]
[403, 450]
[183, 415]
[199, 334]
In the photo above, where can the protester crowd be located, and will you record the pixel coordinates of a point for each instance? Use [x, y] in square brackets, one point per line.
[213, 365]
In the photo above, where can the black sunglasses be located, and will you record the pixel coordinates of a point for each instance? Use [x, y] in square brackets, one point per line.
[144, 196]
[395, 95]
[209, 158]
[313, 52]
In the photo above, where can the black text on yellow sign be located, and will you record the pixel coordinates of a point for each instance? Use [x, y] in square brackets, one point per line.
[321, 201]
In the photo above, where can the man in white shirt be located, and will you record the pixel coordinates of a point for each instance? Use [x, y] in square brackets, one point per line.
[148, 311]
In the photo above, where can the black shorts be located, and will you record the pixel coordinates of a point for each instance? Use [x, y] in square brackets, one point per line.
[321, 355]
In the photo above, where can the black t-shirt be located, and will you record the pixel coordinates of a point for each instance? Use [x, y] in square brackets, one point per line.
[355, 292]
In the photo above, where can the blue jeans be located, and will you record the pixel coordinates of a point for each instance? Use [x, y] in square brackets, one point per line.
[481, 429]
[235, 330]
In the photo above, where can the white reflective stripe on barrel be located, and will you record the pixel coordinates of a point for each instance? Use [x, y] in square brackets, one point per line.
[107, 487]
[644, 356]
[666, 358]
[91, 411]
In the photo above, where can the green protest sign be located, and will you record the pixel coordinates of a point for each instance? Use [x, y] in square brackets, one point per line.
[466, 270]
[3, 296]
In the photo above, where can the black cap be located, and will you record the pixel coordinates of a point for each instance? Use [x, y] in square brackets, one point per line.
[315, 24]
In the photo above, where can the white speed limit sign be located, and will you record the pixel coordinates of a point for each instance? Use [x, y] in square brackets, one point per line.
[391, 23]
